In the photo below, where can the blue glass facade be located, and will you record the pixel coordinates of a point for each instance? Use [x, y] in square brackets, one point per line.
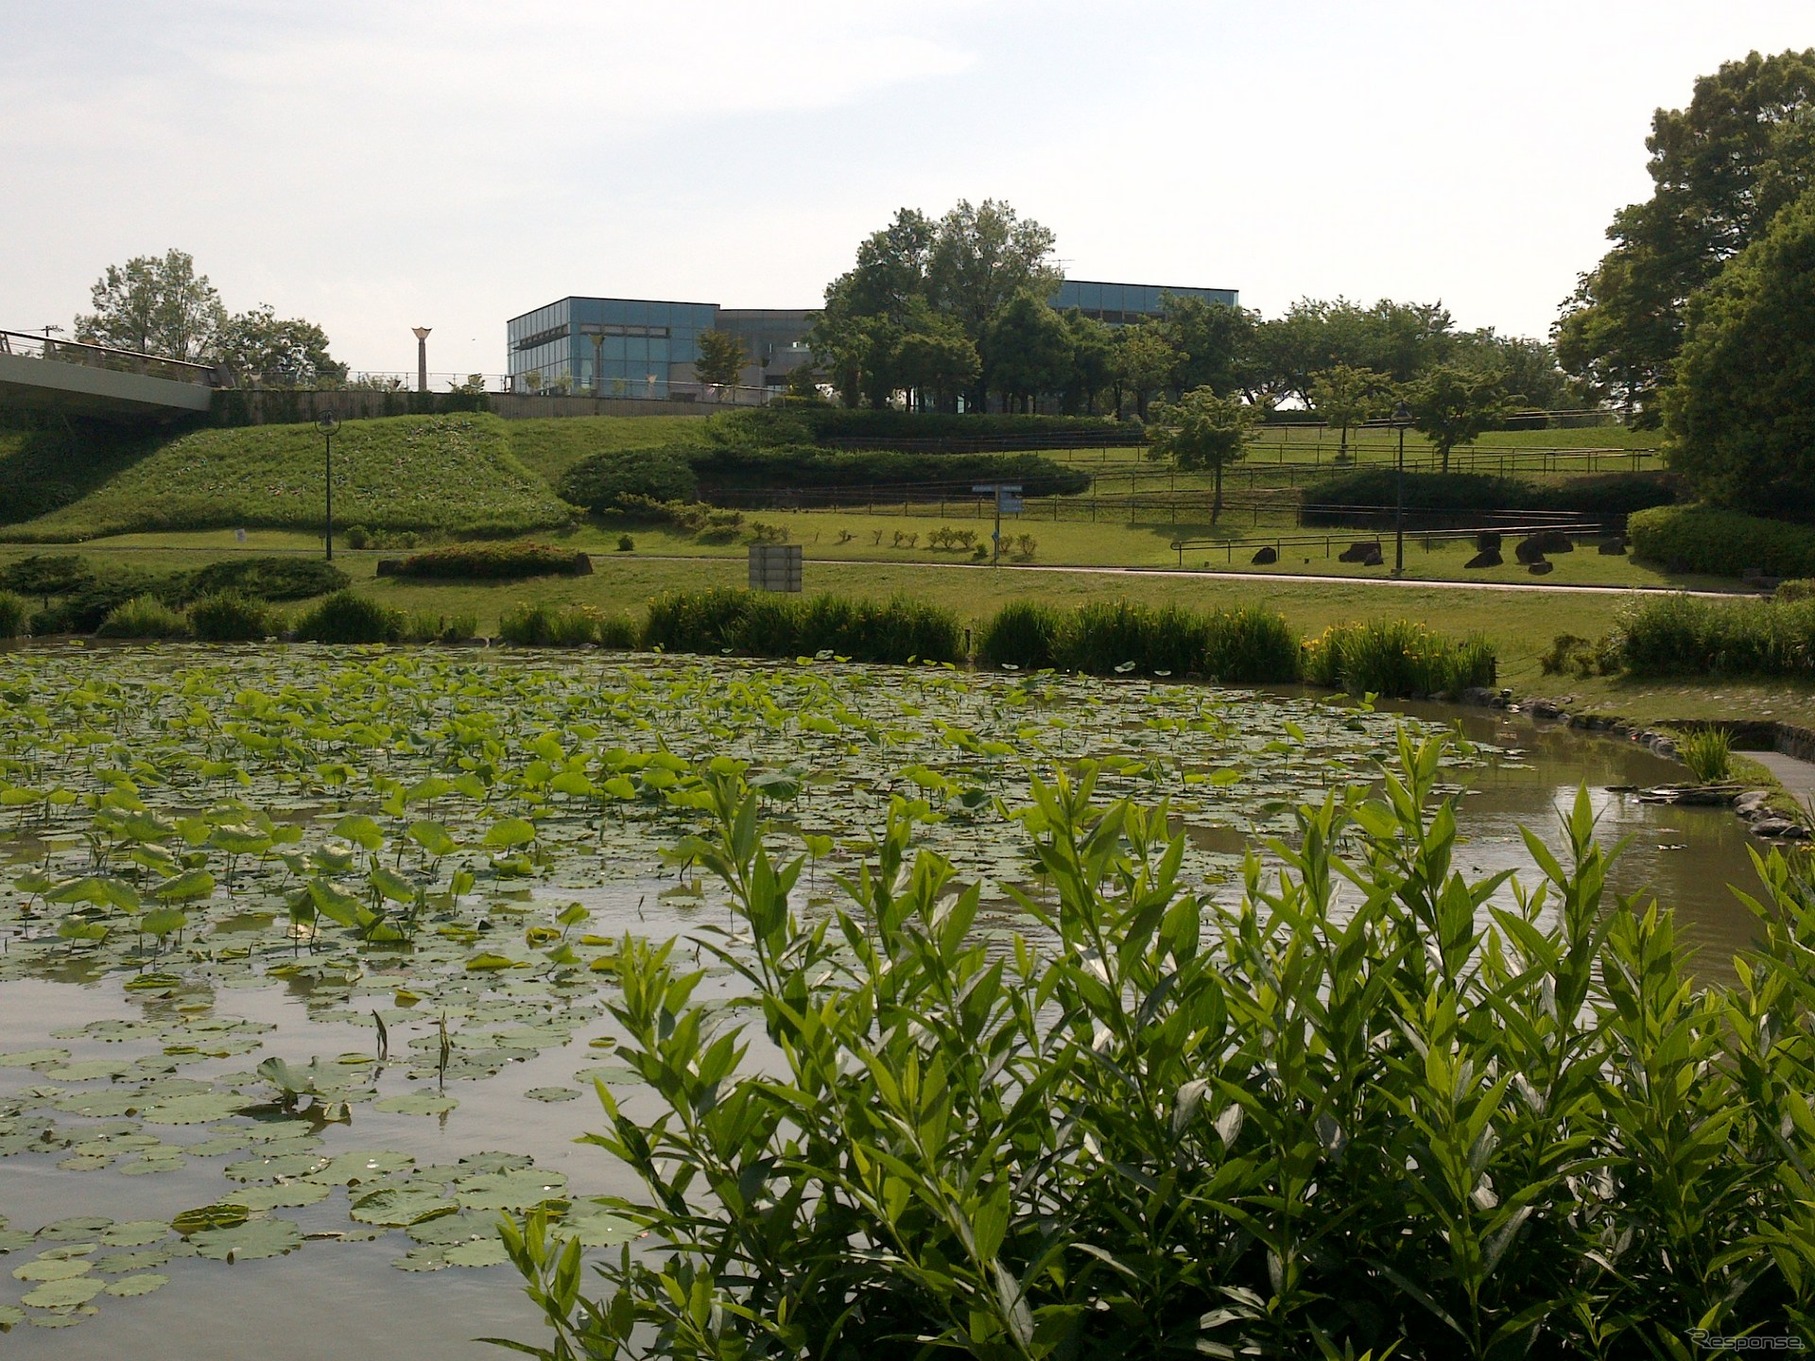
[615, 347]
[1122, 304]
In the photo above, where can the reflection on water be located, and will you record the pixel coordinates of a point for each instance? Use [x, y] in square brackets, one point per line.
[1687, 858]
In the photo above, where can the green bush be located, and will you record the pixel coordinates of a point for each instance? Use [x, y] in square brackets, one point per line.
[267, 578]
[347, 617]
[492, 562]
[804, 470]
[15, 613]
[860, 427]
[764, 624]
[357, 536]
[1243, 646]
[1374, 1107]
[1687, 635]
[602, 482]
[47, 574]
[1366, 493]
[229, 617]
[1397, 658]
[1798, 588]
[1708, 752]
[1721, 542]
[144, 616]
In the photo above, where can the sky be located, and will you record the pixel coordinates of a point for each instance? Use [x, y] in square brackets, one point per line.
[374, 167]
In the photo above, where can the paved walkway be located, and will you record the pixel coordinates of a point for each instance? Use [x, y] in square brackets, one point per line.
[1797, 777]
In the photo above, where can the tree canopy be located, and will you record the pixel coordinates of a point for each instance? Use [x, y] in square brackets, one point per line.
[1204, 430]
[721, 359]
[1452, 404]
[278, 352]
[1722, 169]
[1741, 413]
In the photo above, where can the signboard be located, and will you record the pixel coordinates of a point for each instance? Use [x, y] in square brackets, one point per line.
[775, 567]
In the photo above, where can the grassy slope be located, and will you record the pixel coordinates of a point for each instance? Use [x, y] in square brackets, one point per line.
[454, 473]
[549, 447]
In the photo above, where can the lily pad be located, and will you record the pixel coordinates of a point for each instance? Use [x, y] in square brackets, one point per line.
[349, 1169]
[135, 1233]
[197, 1109]
[52, 1269]
[552, 1094]
[285, 1195]
[481, 1252]
[63, 1294]
[130, 1287]
[254, 1239]
[417, 1103]
[401, 1206]
[516, 1190]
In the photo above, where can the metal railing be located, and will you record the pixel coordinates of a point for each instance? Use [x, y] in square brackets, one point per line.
[1577, 529]
[32, 345]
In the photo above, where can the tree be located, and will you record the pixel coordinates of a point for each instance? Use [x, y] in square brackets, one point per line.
[1526, 366]
[155, 305]
[1092, 362]
[721, 361]
[1723, 168]
[1026, 350]
[1741, 412]
[1344, 396]
[280, 353]
[1144, 363]
[934, 359]
[1213, 340]
[1400, 340]
[1452, 404]
[1203, 430]
[983, 257]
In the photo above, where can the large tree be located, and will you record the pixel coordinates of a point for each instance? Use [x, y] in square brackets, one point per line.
[1722, 169]
[1143, 364]
[261, 346]
[1026, 349]
[1741, 413]
[1314, 335]
[155, 305]
[1214, 343]
[1203, 430]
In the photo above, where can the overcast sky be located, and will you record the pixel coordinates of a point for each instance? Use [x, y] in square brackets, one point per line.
[376, 166]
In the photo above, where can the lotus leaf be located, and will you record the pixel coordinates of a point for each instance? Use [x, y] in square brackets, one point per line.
[221, 1215]
[195, 1109]
[74, 1230]
[417, 1103]
[130, 1287]
[481, 1252]
[285, 1195]
[254, 1239]
[349, 1169]
[135, 1233]
[552, 1094]
[401, 1206]
[516, 1190]
[52, 1269]
[63, 1294]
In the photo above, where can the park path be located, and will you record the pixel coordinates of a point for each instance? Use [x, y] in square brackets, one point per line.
[1796, 776]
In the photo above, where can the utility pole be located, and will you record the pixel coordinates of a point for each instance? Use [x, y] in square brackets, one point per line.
[422, 357]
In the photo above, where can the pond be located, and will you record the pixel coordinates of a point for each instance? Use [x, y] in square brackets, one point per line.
[297, 945]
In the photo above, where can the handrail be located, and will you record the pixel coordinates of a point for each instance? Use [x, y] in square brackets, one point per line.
[206, 373]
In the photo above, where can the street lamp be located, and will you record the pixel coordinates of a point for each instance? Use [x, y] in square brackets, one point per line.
[328, 423]
[1402, 417]
[422, 357]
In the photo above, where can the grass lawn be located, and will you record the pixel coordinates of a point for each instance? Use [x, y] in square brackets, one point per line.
[549, 447]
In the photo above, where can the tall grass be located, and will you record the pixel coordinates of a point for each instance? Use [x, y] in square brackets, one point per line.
[1375, 1107]
[1247, 645]
[144, 616]
[15, 612]
[1686, 635]
[1708, 752]
[764, 624]
[427, 626]
[1397, 658]
[545, 625]
[346, 617]
[229, 617]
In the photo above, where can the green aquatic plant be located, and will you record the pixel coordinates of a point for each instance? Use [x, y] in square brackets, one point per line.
[1426, 1119]
[1708, 752]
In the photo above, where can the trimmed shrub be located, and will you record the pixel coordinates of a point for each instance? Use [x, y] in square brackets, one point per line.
[357, 536]
[495, 562]
[764, 624]
[14, 614]
[601, 483]
[1398, 659]
[229, 617]
[47, 574]
[1363, 494]
[1684, 635]
[804, 470]
[1721, 542]
[144, 616]
[267, 578]
[348, 617]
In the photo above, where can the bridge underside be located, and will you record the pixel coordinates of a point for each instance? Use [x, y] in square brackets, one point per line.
[28, 384]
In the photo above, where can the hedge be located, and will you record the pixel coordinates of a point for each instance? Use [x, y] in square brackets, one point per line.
[494, 562]
[1721, 542]
[1338, 499]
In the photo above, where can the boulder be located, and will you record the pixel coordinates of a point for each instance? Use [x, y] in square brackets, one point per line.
[1552, 541]
[1487, 557]
[1529, 550]
[1373, 559]
[390, 567]
[1360, 551]
[1613, 548]
[1541, 568]
[1488, 541]
[1264, 556]
[1782, 828]
[582, 566]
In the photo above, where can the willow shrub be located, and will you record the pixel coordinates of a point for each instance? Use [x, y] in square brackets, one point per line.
[1449, 1117]
[1398, 658]
[1246, 645]
[770, 624]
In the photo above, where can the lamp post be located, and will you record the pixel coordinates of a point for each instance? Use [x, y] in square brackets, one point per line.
[328, 423]
[1402, 416]
[422, 357]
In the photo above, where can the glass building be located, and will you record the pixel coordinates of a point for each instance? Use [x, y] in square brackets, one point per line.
[611, 347]
[637, 347]
[1123, 304]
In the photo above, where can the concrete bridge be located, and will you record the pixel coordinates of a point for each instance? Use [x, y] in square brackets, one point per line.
[99, 382]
